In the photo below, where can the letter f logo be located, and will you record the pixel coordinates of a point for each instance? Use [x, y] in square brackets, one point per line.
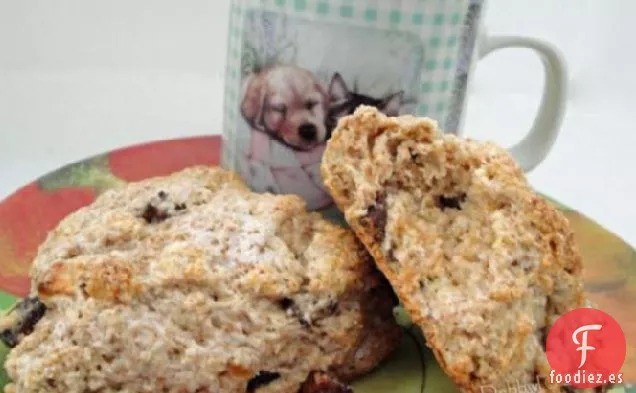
[583, 344]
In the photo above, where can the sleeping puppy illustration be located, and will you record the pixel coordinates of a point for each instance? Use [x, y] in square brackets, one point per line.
[289, 104]
[344, 101]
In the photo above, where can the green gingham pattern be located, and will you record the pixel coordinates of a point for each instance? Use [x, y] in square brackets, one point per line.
[438, 23]
[232, 82]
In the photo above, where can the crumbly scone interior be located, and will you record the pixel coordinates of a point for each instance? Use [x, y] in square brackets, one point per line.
[479, 261]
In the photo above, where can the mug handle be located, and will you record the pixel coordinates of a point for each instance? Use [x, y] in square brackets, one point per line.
[536, 145]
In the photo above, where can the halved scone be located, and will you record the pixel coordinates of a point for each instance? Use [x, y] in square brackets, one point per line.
[481, 263]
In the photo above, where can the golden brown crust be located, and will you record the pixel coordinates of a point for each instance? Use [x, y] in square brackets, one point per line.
[481, 263]
[109, 279]
[191, 283]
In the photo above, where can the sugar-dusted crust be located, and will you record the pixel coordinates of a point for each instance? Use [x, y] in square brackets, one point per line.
[480, 262]
[191, 283]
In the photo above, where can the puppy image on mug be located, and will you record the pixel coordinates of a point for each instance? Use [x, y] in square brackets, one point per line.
[289, 104]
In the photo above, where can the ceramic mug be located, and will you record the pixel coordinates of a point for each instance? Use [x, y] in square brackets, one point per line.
[297, 66]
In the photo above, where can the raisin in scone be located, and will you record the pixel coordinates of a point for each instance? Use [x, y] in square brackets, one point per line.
[481, 263]
[192, 284]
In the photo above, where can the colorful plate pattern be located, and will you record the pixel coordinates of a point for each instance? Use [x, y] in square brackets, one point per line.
[28, 215]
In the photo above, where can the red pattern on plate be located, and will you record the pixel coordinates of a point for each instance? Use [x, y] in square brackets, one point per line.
[163, 158]
[26, 217]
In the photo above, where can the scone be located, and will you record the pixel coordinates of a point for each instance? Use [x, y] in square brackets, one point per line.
[480, 262]
[192, 284]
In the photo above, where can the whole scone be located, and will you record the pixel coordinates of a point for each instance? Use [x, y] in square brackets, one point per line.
[192, 284]
[481, 263]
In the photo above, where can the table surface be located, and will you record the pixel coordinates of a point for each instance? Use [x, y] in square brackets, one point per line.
[80, 77]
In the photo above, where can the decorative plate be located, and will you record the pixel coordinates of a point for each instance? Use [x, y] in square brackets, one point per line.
[27, 216]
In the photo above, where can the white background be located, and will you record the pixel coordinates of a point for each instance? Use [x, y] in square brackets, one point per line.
[79, 77]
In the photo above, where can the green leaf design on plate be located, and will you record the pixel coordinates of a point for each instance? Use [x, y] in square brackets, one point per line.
[402, 317]
[94, 173]
[6, 301]
[411, 369]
